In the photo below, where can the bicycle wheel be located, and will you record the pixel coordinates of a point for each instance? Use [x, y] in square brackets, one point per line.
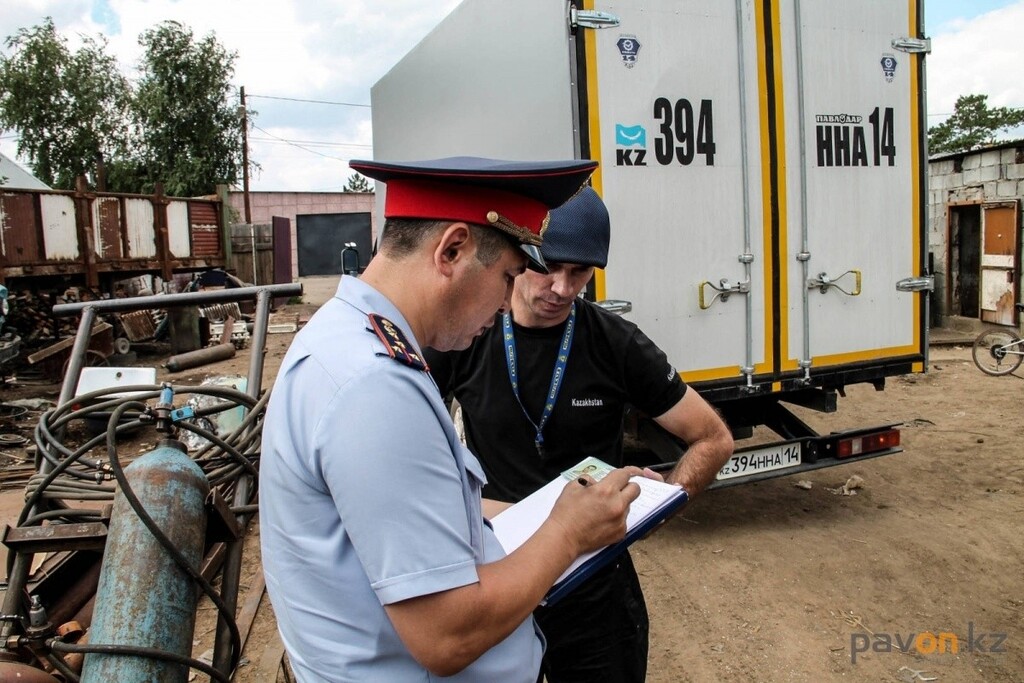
[998, 352]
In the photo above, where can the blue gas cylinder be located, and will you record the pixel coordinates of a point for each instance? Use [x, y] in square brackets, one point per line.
[144, 598]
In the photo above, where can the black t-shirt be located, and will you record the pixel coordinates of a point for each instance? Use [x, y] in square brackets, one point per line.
[611, 364]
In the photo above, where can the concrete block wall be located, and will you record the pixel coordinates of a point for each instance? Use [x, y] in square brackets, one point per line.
[991, 175]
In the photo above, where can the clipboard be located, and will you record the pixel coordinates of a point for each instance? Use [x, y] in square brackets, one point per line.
[514, 525]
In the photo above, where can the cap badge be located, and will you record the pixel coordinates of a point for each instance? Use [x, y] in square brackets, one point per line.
[520, 233]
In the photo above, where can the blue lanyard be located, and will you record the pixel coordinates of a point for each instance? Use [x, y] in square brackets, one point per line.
[556, 376]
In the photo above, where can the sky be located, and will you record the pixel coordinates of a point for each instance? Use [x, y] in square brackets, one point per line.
[307, 67]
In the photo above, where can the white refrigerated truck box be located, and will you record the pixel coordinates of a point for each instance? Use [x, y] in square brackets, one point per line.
[764, 166]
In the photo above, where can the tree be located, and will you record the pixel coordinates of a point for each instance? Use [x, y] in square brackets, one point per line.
[191, 138]
[357, 183]
[76, 114]
[973, 123]
[68, 107]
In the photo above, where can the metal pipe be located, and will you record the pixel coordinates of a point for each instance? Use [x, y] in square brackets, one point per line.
[230, 577]
[183, 299]
[192, 359]
[805, 255]
[77, 359]
[923, 136]
[747, 257]
[232, 570]
[258, 343]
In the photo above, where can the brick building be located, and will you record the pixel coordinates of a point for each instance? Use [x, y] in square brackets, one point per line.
[321, 222]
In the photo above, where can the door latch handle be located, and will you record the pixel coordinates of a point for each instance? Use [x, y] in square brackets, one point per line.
[823, 282]
[723, 290]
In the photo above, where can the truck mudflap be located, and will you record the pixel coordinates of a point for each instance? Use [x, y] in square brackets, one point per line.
[803, 453]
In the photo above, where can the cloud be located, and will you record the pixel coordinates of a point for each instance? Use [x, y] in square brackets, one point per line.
[331, 50]
[335, 50]
[982, 56]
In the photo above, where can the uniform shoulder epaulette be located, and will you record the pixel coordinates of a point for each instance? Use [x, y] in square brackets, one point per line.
[396, 343]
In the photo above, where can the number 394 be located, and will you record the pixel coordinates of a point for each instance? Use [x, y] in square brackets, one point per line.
[679, 138]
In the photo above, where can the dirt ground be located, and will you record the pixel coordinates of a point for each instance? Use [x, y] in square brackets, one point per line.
[773, 582]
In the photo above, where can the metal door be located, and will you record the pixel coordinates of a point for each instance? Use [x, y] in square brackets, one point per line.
[852, 153]
[999, 239]
[321, 237]
[672, 110]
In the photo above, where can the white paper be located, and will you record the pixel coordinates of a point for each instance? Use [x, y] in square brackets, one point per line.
[514, 525]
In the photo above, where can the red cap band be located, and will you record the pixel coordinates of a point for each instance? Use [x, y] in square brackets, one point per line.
[453, 202]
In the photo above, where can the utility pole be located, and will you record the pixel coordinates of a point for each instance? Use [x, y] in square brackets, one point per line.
[245, 155]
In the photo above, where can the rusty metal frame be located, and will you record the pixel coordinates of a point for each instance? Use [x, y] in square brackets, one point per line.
[88, 312]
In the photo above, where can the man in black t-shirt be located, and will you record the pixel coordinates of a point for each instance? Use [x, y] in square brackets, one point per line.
[547, 385]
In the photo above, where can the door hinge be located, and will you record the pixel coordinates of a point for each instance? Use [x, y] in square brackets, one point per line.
[591, 18]
[925, 283]
[913, 45]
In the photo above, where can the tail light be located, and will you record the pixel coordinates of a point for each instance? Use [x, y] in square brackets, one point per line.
[867, 443]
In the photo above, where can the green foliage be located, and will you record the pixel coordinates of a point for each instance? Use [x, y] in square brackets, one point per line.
[972, 124]
[357, 183]
[191, 137]
[76, 114]
[67, 106]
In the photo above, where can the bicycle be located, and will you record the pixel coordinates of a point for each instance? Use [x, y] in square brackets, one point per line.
[998, 351]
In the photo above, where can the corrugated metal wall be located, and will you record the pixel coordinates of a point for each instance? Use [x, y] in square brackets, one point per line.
[141, 233]
[178, 229]
[205, 229]
[106, 221]
[41, 234]
[19, 239]
[60, 239]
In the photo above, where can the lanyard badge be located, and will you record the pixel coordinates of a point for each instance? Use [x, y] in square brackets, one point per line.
[557, 375]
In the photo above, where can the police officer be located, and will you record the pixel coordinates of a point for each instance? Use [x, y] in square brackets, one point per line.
[548, 384]
[377, 559]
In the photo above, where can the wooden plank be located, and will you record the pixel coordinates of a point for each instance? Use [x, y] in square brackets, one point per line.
[247, 614]
[63, 344]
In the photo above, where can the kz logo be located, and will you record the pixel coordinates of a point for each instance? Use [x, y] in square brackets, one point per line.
[888, 67]
[628, 46]
[630, 136]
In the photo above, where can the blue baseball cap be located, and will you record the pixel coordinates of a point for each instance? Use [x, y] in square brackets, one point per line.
[512, 196]
[579, 231]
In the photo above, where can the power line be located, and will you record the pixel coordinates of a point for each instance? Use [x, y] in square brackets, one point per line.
[316, 143]
[311, 151]
[297, 99]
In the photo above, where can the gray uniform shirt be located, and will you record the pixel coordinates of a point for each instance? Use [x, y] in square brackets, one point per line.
[366, 499]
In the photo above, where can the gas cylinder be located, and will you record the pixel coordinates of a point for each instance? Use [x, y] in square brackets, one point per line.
[144, 598]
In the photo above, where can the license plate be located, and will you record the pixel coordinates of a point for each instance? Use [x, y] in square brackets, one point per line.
[758, 460]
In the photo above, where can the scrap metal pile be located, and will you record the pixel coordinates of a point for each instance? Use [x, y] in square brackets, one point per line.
[43, 338]
[113, 548]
